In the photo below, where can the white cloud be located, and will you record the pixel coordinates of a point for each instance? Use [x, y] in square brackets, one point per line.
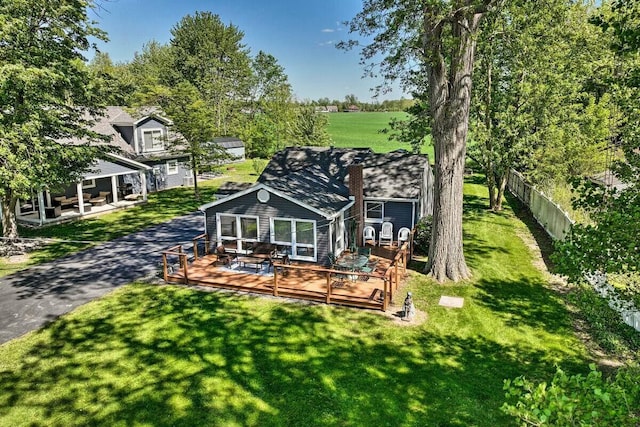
[327, 43]
[327, 30]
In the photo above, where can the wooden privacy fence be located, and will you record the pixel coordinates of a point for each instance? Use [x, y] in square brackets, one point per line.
[549, 214]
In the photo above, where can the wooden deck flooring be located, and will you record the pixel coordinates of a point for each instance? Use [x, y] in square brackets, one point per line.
[300, 280]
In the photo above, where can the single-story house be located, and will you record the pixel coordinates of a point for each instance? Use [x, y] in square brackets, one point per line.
[311, 202]
[143, 163]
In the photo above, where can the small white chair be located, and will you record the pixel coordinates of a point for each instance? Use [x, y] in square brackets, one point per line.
[403, 236]
[369, 235]
[386, 233]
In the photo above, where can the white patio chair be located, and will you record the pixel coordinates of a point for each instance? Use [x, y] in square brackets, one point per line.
[403, 236]
[386, 233]
[369, 235]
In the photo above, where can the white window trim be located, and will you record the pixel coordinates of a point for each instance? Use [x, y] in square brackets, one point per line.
[373, 220]
[177, 167]
[239, 239]
[142, 144]
[293, 244]
[92, 183]
[340, 234]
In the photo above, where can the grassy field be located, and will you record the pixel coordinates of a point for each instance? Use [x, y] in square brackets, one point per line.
[362, 130]
[173, 356]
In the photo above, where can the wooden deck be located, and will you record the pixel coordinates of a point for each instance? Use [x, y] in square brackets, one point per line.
[305, 281]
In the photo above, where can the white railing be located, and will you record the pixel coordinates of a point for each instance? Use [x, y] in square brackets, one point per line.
[549, 214]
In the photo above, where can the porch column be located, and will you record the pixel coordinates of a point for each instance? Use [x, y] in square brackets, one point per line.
[79, 196]
[114, 188]
[41, 213]
[143, 184]
[47, 194]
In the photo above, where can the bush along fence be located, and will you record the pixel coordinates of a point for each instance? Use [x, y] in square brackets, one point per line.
[557, 224]
[627, 309]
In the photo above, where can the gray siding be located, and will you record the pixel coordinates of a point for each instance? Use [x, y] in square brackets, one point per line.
[399, 214]
[276, 207]
[149, 123]
[237, 153]
[158, 179]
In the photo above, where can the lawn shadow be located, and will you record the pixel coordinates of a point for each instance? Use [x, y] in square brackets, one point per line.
[170, 356]
[542, 238]
[525, 302]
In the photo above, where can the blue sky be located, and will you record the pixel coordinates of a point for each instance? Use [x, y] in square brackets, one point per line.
[301, 34]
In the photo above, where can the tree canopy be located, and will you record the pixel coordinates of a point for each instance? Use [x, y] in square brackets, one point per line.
[47, 95]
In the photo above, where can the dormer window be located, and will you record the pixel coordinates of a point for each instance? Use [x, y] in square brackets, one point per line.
[152, 140]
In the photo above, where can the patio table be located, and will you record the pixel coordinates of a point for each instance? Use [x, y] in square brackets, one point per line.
[258, 262]
[353, 262]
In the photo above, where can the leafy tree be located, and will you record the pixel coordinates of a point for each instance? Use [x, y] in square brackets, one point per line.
[211, 56]
[115, 81]
[47, 95]
[533, 108]
[430, 46]
[193, 128]
[610, 244]
[570, 400]
[310, 128]
[271, 107]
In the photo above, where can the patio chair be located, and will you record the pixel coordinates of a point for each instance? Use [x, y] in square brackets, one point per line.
[386, 233]
[369, 235]
[369, 268]
[222, 256]
[403, 236]
[340, 278]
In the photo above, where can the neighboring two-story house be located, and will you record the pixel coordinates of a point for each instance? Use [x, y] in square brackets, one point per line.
[146, 160]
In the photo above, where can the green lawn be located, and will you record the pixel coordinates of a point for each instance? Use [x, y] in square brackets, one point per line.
[162, 206]
[172, 356]
[362, 130]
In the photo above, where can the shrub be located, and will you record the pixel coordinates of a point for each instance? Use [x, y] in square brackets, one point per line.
[258, 165]
[605, 325]
[577, 400]
[422, 235]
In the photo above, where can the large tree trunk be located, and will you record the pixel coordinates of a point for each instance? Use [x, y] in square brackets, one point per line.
[450, 98]
[9, 222]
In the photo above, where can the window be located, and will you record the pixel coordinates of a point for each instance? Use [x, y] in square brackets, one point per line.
[237, 227]
[299, 235]
[373, 211]
[89, 183]
[152, 140]
[172, 167]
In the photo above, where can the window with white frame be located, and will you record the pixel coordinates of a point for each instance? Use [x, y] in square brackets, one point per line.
[237, 227]
[89, 183]
[339, 234]
[152, 140]
[373, 211]
[297, 234]
[172, 167]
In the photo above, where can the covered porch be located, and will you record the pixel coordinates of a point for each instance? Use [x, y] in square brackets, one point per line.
[115, 184]
[375, 289]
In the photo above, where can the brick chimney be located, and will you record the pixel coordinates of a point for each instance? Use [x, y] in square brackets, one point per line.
[356, 189]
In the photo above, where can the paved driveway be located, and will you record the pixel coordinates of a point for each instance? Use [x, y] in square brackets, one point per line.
[33, 297]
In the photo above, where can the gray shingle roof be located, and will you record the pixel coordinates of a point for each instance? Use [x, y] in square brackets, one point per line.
[319, 176]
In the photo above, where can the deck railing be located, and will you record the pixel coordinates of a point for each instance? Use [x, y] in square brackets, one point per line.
[391, 276]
